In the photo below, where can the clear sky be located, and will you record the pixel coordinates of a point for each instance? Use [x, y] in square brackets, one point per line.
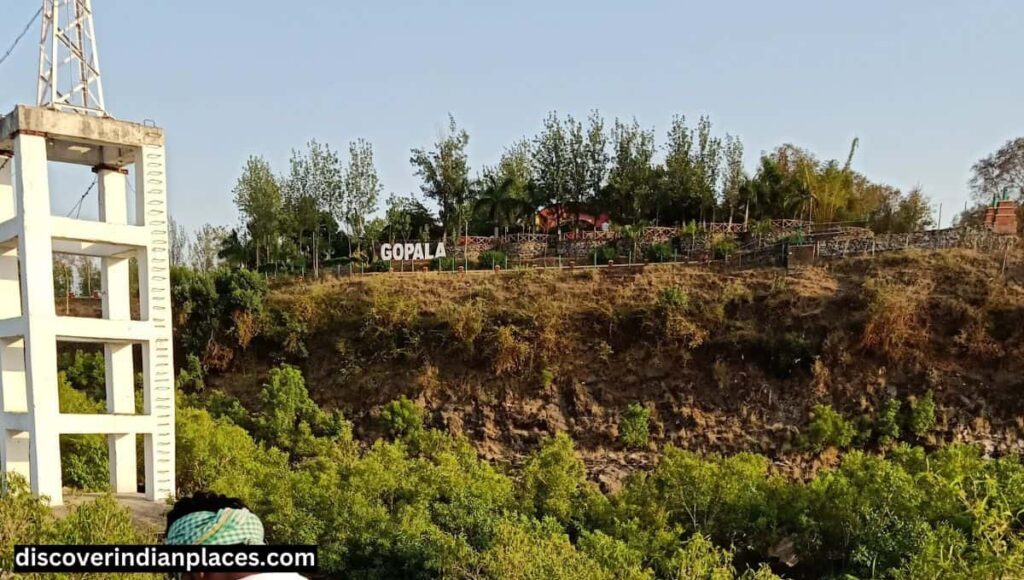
[928, 86]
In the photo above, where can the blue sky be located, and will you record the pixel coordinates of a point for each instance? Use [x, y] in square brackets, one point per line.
[927, 86]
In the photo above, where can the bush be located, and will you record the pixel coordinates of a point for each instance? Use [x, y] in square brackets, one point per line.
[379, 266]
[85, 371]
[723, 247]
[604, 254]
[491, 258]
[829, 429]
[887, 427]
[921, 418]
[84, 458]
[659, 253]
[446, 264]
[402, 418]
[673, 298]
[289, 419]
[634, 426]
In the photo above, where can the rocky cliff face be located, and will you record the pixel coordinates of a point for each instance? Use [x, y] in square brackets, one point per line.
[725, 361]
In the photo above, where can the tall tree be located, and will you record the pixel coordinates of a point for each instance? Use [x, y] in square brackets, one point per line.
[999, 174]
[631, 181]
[551, 164]
[707, 164]
[732, 184]
[177, 238]
[204, 252]
[362, 189]
[445, 174]
[679, 197]
[312, 188]
[258, 198]
[587, 159]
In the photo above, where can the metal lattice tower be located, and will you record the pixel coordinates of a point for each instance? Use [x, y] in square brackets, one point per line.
[69, 65]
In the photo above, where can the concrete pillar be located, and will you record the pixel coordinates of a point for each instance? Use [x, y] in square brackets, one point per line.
[155, 306]
[120, 375]
[32, 196]
[9, 285]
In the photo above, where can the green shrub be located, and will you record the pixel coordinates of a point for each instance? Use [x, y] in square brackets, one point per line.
[887, 426]
[547, 377]
[724, 247]
[85, 371]
[659, 253]
[402, 418]
[673, 298]
[634, 426]
[828, 428]
[491, 258]
[379, 266]
[191, 376]
[921, 418]
[603, 254]
[446, 264]
[84, 458]
[289, 419]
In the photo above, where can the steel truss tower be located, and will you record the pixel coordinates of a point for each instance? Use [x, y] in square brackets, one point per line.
[69, 65]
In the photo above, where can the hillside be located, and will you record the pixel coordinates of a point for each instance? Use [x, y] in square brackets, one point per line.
[725, 361]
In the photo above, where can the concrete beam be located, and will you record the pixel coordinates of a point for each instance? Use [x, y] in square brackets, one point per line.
[99, 232]
[12, 327]
[105, 424]
[16, 421]
[9, 230]
[81, 139]
[97, 330]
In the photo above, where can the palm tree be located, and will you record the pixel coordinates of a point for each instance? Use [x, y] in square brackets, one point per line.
[500, 203]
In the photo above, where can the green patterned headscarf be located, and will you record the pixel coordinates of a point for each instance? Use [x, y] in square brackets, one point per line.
[225, 527]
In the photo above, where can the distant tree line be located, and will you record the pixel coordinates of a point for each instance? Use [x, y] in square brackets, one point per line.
[326, 209]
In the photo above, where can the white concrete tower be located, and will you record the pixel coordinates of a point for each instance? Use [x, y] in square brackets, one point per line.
[30, 419]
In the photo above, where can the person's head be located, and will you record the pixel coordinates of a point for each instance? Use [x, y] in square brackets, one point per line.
[212, 519]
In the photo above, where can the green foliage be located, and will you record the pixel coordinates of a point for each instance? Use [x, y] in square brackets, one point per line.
[402, 418]
[84, 458]
[491, 258]
[553, 482]
[921, 418]
[603, 254]
[673, 298]
[290, 420]
[84, 371]
[724, 247]
[828, 428]
[659, 253]
[191, 376]
[634, 426]
[446, 264]
[887, 426]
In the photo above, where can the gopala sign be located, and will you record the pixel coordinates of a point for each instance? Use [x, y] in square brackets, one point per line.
[411, 251]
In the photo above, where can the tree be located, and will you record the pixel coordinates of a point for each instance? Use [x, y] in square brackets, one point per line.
[497, 202]
[406, 218]
[207, 246]
[258, 198]
[707, 164]
[88, 274]
[314, 187]
[631, 181]
[362, 188]
[679, 191]
[732, 184]
[1001, 173]
[587, 160]
[551, 164]
[445, 174]
[178, 240]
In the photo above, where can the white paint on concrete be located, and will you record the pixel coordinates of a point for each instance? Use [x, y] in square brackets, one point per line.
[30, 421]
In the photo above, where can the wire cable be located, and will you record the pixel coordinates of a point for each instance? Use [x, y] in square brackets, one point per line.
[77, 209]
[20, 36]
